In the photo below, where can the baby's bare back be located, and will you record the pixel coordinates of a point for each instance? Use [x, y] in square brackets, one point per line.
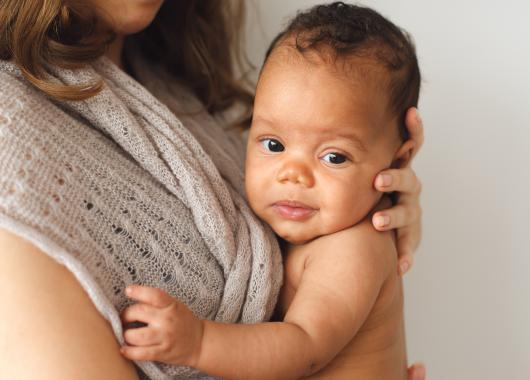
[377, 351]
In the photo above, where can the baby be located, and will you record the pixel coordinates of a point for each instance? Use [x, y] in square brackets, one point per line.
[329, 115]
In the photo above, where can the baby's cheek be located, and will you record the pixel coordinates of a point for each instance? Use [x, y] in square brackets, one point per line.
[347, 205]
[339, 214]
[254, 192]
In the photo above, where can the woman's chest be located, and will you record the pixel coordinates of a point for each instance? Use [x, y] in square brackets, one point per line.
[110, 213]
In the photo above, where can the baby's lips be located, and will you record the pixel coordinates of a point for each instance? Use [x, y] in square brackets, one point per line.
[292, 210]
[294, 204]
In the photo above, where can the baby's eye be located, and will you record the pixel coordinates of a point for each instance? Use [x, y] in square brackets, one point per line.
[335, 158]
[272, 145]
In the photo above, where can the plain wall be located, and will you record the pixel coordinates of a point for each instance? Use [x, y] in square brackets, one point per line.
[468, 295]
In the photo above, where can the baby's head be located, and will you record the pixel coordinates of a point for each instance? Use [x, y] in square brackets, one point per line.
[328, 117]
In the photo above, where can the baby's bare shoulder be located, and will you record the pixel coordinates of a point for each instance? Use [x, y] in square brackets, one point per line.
[361, 244]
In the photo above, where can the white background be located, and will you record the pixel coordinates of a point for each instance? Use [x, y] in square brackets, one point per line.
[468, 295]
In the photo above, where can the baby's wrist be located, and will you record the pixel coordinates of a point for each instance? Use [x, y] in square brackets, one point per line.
[196, 354]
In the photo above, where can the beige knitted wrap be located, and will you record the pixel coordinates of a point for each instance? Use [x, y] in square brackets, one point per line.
[121, 191]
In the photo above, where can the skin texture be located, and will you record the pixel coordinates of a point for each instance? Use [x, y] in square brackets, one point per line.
[343, 118]
[127, 16]
[60, 324]
[49, 324]
[405, 217]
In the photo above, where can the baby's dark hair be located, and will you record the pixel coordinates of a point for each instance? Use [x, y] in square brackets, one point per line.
[348, 30]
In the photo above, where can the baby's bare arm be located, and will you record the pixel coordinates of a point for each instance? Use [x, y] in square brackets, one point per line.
[174, 335]
[339, 286]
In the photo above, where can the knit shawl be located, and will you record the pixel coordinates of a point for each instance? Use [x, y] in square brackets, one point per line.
[137, 185]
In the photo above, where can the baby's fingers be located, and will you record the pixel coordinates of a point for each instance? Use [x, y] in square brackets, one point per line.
[143, 336]
[139, 312]
[152, 296]
[140, 353]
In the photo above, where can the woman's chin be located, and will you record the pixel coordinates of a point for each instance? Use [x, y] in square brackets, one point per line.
[127, 27]
[135, 17]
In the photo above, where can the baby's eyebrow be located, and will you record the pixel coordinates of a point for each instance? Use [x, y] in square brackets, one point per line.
[353, 138]
[345, 135]
[262, 120]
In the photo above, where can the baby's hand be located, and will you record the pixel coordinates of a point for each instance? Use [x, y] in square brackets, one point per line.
[173, 333]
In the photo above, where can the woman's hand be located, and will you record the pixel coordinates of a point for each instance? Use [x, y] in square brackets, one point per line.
[416, 372]
[405, 216]
[173, 334]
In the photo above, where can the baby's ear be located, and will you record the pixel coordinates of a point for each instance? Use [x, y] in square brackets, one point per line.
[404, 153]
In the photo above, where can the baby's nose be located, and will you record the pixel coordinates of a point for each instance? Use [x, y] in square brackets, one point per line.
[297, 173]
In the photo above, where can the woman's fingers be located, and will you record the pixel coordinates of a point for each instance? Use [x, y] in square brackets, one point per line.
[400, 216]
[152, 296]
[144, 336]
[405, 253]
[405, 216]
[406, 219]
[415, 128]
[416, 372]
[403, 180]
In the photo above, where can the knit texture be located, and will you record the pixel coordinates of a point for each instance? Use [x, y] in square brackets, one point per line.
[122, 191]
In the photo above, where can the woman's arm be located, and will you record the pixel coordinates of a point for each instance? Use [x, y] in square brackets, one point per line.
[405, 216]
[49, 326]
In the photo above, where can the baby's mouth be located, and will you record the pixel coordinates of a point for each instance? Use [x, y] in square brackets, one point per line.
[294, 210]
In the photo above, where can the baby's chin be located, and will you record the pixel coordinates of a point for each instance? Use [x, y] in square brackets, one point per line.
[294, 237]
[298, 233]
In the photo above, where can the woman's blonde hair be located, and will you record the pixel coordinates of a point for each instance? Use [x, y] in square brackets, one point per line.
[198, 41]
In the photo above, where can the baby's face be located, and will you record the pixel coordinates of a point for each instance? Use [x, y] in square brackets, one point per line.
[316, 143]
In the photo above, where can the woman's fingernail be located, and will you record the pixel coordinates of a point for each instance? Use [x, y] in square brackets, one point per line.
[382, 221]
[384, 180]
[128, 290]
[404, 267]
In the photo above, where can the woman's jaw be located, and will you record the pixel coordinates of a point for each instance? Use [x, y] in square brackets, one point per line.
[127, 16]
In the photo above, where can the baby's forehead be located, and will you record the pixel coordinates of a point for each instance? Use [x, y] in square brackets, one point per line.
[362, 70]
[352, 90]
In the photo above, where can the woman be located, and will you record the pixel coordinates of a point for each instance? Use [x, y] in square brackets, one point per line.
[127, 183]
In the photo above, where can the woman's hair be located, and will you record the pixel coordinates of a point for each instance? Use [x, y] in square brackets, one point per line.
[198, 41]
